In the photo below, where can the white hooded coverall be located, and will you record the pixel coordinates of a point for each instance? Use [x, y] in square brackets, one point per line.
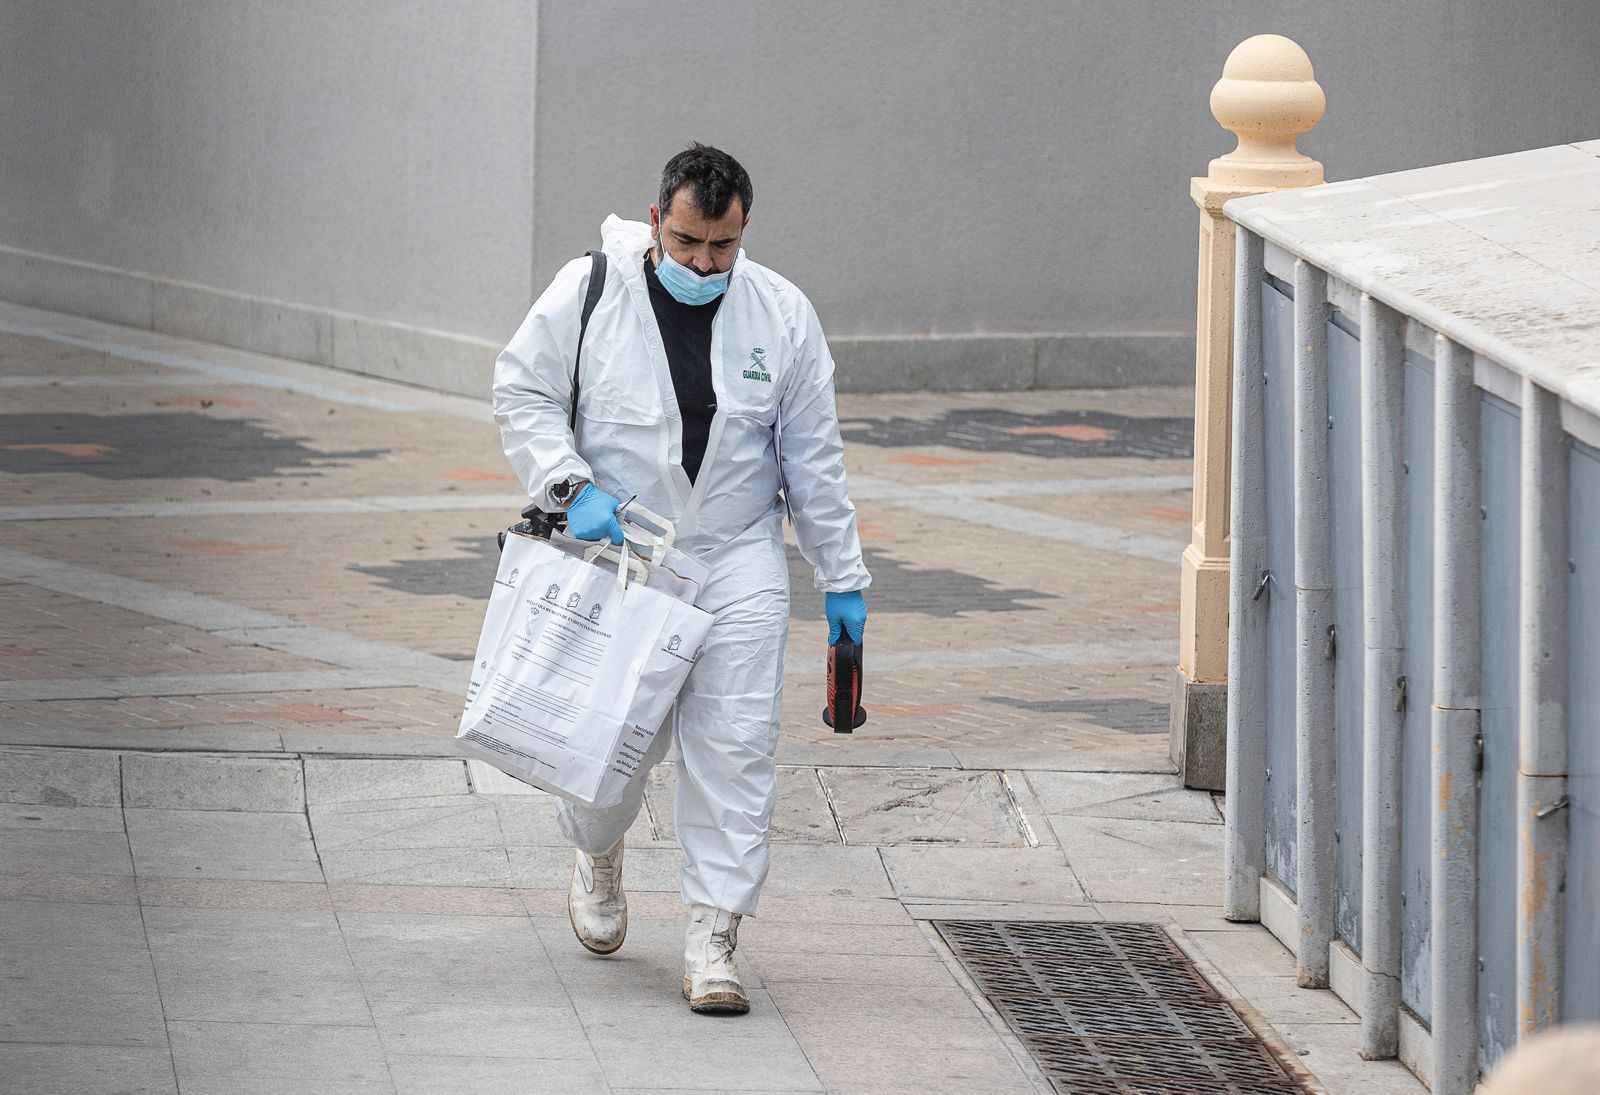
[773, 379]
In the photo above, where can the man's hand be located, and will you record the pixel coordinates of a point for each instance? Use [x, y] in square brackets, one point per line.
[593, 515]
[846, 610]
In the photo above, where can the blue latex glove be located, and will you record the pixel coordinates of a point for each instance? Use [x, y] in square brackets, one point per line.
[593, 515]
[847, 609]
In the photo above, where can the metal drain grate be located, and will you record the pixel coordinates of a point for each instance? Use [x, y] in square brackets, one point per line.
[1114, 1009]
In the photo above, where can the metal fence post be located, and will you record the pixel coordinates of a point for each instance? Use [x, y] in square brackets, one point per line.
[1542, 715]
[1316, 885]
[1267, 96]
[1383, 714]
[1453, 936]
[1244, 854]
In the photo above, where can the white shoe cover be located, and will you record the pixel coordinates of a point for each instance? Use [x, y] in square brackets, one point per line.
[596, 904]
[710, 980]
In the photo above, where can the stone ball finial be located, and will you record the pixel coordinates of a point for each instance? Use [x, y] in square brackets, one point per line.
[1268, 96]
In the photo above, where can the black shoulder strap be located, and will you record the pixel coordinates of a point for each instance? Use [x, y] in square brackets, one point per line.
[597, 285]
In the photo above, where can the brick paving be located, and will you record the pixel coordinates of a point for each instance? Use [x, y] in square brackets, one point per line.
[418, 578]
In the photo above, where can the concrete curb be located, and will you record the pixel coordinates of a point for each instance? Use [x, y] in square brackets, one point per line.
[464, 364]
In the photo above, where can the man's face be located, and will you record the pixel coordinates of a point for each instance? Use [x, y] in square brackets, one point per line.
[704, 244]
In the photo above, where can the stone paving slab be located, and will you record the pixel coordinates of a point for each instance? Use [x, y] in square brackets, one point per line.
[212, 893]
[1132, 796]
[88, 1069]
[97, 819]
[478, 867]
[329, 781]
[77, 973]
[932, 1053]
[265, 677]
[900, 939]
[803, 870]
[254, 966]
[61, 777]
[202, 782]
[388, 824]
[459, 959]
[207, 684]
[375, 720]
[886, 806]
[46, 886]
[24, 851]
[273, 847]
[225, 1058]
[473, 1029]
[428, 900]
[38, 727]
[50, 635]
[978, 874]
[428, 1075]
[1162, 861]
[639, 1045]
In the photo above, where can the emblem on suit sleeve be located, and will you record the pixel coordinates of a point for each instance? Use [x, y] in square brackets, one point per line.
[758, 366]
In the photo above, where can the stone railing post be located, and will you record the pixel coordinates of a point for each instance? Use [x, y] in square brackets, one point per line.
[1267, 96]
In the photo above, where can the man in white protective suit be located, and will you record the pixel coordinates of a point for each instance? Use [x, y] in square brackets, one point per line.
[704, 388]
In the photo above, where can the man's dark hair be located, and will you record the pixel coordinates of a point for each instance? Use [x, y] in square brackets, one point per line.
[715, 176]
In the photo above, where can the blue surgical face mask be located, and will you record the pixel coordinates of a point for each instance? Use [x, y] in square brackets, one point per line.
[686, 286]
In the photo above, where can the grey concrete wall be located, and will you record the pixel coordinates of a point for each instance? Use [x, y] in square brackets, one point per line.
[972, 194]
[948, 169]
[332, 182]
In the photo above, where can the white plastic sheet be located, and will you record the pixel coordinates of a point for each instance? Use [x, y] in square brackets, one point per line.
[575, 670]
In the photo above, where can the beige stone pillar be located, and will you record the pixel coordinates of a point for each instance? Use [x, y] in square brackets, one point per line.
[1267, 96]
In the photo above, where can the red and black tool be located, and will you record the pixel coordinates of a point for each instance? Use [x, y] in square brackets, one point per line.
[844, 711]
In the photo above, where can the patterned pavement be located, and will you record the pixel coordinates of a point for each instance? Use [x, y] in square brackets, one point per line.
[1024, 546]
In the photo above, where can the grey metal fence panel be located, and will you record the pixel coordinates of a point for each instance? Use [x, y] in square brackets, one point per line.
[1426, 789]
[1277, 352]
[1501, 461]
[1416, 800]
[1344, 432]
[1581, 999]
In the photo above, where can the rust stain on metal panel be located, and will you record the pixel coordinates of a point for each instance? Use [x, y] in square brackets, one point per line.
[1535, 1005]
[1535, 894]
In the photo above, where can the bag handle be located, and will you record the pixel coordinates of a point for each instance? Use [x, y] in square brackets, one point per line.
[634, 518]
[633, 534]
[625, 560]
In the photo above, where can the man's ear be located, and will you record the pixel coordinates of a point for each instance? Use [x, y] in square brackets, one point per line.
[655, 219]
